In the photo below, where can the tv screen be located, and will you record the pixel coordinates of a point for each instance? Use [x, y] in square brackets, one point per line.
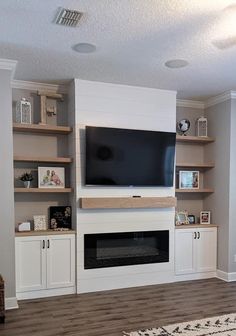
[125, 157]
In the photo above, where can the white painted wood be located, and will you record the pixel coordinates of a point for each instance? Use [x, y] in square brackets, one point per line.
[60, 261]
[195, 250]
[206, 250]
[44, 264]
[30, 263]
[121, 106]
[185, 252]
[46, 293]
[11, 303]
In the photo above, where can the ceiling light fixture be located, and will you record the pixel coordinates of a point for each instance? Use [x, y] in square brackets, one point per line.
[176, 63]
[84, 48]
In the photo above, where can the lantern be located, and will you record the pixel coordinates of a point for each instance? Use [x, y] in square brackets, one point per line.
[23, 111]
[201, 127]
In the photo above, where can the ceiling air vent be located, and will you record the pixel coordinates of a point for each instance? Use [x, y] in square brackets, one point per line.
[68, 17]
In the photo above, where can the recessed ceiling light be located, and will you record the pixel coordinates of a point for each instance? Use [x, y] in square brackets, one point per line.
[84, 48]
[176, 63]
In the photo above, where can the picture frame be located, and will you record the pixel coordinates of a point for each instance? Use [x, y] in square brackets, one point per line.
[191, 219]
[181, 218]
[60, 217]
[205, 217]
[40, 223]
[189, 179]
[51, 177]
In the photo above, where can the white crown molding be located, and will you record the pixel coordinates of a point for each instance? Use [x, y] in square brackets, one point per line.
[6, 64]
[220, 98]
[34, 86]
[190, 103]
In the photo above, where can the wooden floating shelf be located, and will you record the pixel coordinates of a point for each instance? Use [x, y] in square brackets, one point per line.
[34, 128]
[204, 190]
[43, 233]
[195, 165]
[127, 202]
[190, 226]
[43, 190]
[194, 139]
[19, 158]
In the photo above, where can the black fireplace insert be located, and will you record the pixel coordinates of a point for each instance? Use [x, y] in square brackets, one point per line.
[125, 248]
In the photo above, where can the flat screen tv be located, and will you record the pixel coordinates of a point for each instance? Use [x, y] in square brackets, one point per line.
[125, 157]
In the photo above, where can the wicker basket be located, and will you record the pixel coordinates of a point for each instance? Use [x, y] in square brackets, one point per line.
[2, 301]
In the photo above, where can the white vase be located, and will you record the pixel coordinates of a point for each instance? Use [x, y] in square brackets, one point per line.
[27, 184]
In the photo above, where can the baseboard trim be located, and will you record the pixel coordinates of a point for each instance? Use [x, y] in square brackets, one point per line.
[194, 276]
[11, 303]
[228, 277]
[45, 293]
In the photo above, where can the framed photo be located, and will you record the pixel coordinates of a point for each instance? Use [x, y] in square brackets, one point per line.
[51, 177]
[40, 223]
[188, 179]
[60, 217]
[205, 217]
[191, 219]
[181, 218]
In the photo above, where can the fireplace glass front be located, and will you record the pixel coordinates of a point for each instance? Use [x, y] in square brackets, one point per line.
[125, 248]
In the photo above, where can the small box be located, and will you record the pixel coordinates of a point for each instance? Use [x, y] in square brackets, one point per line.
[25, 226]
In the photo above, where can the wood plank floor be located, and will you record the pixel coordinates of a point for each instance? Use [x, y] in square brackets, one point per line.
[109, 313]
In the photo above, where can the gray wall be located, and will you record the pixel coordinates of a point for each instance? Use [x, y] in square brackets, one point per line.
[219, 119]
[7, 246]
[232, 205]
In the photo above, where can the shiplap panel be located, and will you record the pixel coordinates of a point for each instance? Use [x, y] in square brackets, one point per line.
[120, 106]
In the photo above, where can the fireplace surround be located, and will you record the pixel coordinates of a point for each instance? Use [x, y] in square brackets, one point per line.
[125, 248]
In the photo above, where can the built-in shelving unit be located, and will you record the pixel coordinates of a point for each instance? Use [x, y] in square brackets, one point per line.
[195, 165]
[43, 190]
[38, 128]
[194, 139]
[191, 226]
[127, 202]
[19, 158]
[200, 191]
[190, 156]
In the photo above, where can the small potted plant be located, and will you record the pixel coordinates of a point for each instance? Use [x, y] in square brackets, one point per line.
[26, 178]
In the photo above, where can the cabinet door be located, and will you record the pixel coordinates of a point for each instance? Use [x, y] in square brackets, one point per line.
[185, 256]
[60, 261]
[206, 249]
[30, 263]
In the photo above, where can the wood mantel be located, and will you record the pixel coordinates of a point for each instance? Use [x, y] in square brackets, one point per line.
[127, 202]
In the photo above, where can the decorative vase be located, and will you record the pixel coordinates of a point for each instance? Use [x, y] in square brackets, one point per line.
[27, 184]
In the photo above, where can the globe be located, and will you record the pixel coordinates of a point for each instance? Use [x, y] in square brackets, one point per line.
[183, 126]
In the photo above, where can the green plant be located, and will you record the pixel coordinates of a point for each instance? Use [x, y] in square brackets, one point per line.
[26, 177]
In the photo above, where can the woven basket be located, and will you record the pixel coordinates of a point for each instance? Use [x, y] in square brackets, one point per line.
[2, 301]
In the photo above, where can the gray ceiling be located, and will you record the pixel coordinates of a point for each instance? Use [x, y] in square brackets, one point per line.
[134, 39]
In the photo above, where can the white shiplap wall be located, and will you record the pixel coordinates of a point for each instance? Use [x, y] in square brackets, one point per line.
[111, 105]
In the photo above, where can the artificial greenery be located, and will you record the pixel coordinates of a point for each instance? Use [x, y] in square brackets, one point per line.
[26, 177]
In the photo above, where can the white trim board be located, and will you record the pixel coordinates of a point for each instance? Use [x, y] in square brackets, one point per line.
[228, 277]
[35, 86]
[190, 103]
[6, 64]
[11, 303]
[220, 98]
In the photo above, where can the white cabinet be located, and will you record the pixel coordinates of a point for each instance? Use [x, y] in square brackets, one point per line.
[195, 250]
[30, 264]
[44, 263]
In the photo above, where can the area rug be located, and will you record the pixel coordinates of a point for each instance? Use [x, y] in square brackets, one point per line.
[224, 325]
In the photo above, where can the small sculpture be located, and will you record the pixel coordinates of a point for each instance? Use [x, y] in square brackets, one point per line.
[46, 110]
[183, 126]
